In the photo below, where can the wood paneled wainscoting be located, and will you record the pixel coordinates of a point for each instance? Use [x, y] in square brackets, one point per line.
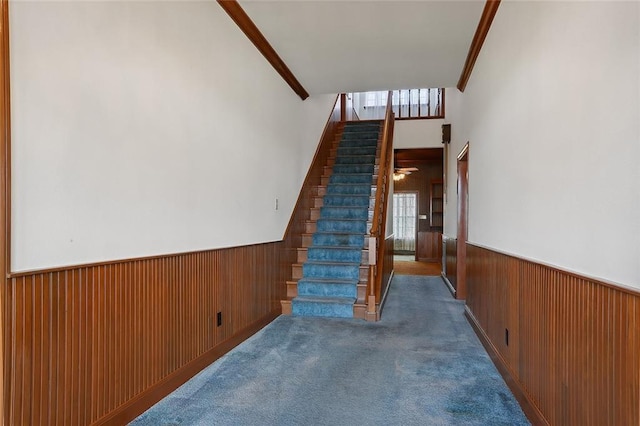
[99, 344]
[569, 346]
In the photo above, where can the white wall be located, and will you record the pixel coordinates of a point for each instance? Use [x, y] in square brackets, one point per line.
[552, 113]
[454, 116]
[418, 133]
[143, 128]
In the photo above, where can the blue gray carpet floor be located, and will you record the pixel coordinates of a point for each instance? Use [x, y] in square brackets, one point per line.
[421, 364]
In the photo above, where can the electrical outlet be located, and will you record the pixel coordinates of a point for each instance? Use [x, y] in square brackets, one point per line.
[219, 319]
[506, 336]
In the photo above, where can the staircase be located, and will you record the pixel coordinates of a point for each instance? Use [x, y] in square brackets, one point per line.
[330, 277]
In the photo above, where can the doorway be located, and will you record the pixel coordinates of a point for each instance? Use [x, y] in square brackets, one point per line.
[463, 210]
[419, 171]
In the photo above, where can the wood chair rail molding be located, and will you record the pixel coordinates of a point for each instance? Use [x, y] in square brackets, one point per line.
[577, 275]
[490, 9]
[240, 17]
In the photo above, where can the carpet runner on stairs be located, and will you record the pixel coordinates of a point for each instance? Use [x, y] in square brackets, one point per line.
[330, 276]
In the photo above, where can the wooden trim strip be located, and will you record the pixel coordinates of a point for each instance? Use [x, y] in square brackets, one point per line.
[528, 406]
[132, 409]
[490, 9]
[5, 192]
[240, 17]
[27, 273]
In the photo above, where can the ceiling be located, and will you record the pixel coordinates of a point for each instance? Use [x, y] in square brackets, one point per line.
[358, 46]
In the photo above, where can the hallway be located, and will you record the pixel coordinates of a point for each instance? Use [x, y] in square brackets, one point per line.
[421, 364]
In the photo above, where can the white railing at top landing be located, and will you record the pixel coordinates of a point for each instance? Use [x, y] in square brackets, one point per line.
[406, 104]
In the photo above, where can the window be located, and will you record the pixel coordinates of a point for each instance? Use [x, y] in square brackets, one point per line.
[404, 221]
[407, 104]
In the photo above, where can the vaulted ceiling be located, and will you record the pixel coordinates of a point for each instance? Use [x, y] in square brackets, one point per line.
[357, 46]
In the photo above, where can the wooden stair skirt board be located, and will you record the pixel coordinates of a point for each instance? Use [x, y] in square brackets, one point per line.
[332, 259]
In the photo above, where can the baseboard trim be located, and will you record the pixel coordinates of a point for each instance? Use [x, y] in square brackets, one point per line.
[528, 407]
[138, 405]
[448, 284]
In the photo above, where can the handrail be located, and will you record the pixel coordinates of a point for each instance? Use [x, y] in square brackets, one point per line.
[378, 227]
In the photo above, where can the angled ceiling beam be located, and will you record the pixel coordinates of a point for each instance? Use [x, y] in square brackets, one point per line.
[490, 9]
[240, 17]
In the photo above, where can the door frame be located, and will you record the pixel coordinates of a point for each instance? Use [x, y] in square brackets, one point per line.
[463, 223]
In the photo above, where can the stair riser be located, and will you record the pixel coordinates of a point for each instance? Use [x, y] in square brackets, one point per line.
[354, 226]
[353, 151]
[303, 255]
[335, 200]
[321, 310]
[359, 189]
[339, 240]
[326, 212]
[330, 271]
[355, 159]
[343, 169]
[297, 273]
[363, 178]
[348, 170]
[359, 143]
[348, 136]
[315, 215]
[361, 290]
[326, 289]
[292, 289]
[334, 255]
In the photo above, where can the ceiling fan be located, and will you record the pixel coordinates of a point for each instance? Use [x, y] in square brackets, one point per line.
[400, 172]
[405, 170]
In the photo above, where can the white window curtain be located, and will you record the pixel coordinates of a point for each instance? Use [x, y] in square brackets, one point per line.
[404, 221]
